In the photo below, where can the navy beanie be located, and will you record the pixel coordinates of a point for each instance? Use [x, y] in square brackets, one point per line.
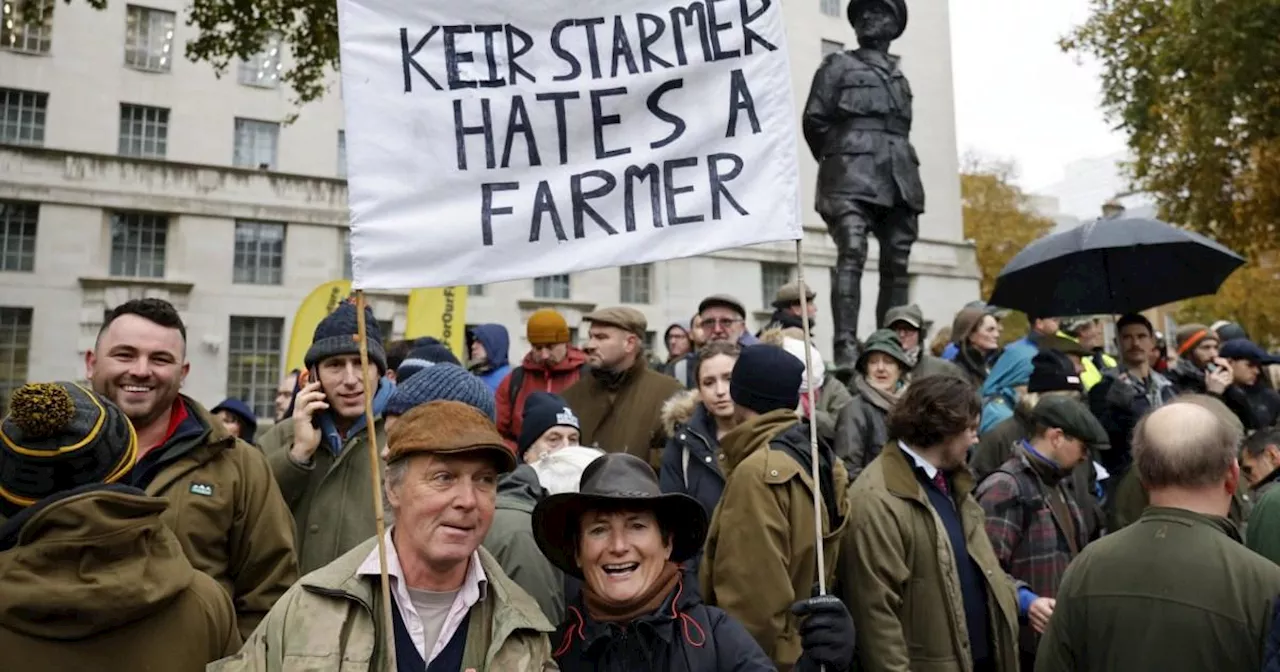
[766, 378]
[542, 411]
[442, 382]
[425, 356]
[335, 335]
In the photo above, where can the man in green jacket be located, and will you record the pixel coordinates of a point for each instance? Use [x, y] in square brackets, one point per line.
[1260, 465]
[452, 607]
[319, 456]
[1176, 590]
[224, 505]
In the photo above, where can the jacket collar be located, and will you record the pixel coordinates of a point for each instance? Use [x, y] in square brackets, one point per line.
[753, 434]
[900, 479]
[1191, 518]
[513, 610]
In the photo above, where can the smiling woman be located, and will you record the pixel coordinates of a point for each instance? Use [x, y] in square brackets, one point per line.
[624, 539]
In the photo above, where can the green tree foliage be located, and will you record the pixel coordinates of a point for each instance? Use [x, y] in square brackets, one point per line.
[1195, 84]
[1000, 221]
[232, 30]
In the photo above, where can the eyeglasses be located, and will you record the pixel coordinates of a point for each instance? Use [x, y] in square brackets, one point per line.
[723, 322]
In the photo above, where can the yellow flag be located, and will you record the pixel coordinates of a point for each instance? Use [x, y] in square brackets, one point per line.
[319, 303]
[439, 312]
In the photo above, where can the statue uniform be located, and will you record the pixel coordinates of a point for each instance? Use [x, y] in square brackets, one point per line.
[857, 123]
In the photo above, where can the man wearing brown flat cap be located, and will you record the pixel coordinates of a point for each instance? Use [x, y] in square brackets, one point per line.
[452, 606]
[620, 403]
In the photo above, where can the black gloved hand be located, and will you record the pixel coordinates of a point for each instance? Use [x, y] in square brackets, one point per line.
[826, 633]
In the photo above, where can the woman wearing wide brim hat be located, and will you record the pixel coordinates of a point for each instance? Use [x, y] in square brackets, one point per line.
[625, 539]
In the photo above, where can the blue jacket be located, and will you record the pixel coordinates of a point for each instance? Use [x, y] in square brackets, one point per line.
[1011, 370]
[496, 344]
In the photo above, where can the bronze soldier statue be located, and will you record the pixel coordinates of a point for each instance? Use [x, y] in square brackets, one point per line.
[857, 123]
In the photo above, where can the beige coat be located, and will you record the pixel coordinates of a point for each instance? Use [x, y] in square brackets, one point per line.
[330, 621]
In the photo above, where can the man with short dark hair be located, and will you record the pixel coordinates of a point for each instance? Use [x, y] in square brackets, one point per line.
[224, 504]
[397, 351]
[620, 401]
[918, 571]
[1176, 590]
[1127, 393]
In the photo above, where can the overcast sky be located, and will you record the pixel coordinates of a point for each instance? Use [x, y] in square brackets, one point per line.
[1018, 95]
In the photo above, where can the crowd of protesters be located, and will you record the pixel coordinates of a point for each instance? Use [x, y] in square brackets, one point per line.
[1046, 505]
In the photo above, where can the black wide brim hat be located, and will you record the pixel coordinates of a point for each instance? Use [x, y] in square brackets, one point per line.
[898, 7]
[614, 482]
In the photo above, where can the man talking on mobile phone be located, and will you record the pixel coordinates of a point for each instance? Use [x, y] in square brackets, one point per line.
[319, 455]
[1201, 369]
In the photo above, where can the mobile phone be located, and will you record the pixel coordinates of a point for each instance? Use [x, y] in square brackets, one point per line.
[304, 378]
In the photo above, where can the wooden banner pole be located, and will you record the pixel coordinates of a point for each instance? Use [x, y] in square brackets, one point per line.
[375, 470]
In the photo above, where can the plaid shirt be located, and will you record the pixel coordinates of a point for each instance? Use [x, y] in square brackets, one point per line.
[1028, 539]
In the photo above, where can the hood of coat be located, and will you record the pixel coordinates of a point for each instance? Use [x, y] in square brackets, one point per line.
[753, 435]
[679, 410]
[248, 419]
[572, 362]
[520, 490]
[91, 562]
[496, 344]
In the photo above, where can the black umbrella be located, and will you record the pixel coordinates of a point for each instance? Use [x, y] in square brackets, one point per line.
[1113, 266]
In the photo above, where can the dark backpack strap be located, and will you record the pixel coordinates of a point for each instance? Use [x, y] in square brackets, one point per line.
[513, 388]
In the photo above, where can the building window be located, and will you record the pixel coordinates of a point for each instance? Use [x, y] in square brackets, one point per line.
[772, 278]
[345, 244]
[15, 346]
[18, 236]
[22, 116]
[259, 258]
[475, 290]
[263, 70]
[138, 244]
[551, 287]
[830, 7]
[573, 336]
[253, 362]
[649, 338]
[27, 25]
[387, 329]
[342, 153]
[144, 131]
[256, 144]
[637, 283]
[148, 39]
[831, 47]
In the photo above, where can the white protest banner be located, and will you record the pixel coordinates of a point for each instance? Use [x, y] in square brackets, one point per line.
[491, 140]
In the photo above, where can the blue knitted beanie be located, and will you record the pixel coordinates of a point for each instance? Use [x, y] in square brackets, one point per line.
[335, 335]
[442, 382]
